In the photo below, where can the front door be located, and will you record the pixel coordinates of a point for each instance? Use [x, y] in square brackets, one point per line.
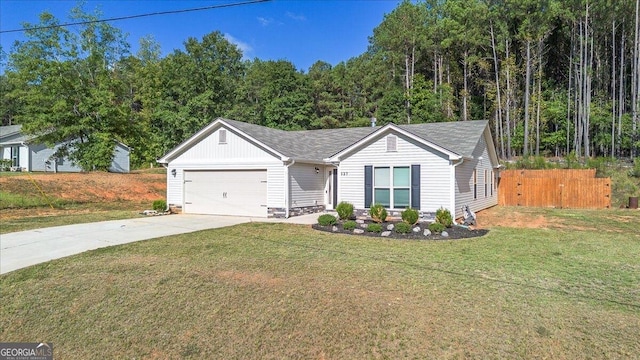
[331, 189]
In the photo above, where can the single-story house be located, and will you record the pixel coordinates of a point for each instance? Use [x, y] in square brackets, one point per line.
[236, 168]
[26, 155]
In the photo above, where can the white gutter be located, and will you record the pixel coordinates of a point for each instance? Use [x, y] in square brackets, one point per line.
[287, 186]
[453, 187]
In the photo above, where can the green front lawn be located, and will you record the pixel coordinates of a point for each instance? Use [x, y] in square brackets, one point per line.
[284, 291]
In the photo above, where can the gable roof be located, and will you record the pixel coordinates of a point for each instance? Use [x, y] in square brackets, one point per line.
[455, 138]
[10, 131]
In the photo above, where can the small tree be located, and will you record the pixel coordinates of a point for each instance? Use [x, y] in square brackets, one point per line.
[443, 216]
[410, 216]
[345, 210]
[378, 213]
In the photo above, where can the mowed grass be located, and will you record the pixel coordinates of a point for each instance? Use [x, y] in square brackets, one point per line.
[274, 291]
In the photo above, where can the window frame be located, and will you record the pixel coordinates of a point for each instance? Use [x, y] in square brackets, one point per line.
[475, 184]
[392, 187]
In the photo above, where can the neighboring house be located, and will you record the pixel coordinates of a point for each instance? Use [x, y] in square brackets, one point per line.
[26, 155]
[236, 168]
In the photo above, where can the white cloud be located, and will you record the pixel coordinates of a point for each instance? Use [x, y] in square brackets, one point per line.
[265, 21]
[297, 17]
[244, 47]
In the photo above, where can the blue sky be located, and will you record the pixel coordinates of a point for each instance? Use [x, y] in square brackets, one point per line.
[300, 31]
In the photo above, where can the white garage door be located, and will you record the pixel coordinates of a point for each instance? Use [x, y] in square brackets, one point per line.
[225, 192]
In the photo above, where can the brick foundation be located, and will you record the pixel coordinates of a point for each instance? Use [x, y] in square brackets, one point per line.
[396, 214]
[281, 213]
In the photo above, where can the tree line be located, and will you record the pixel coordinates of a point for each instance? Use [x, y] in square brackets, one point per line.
[554, 77]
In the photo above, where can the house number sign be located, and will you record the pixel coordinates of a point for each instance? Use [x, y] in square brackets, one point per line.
[344, 173]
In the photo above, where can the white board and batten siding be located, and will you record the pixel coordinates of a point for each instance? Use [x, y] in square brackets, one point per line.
[464, 183]
[236, 153]
[435, 172]
[307, 185]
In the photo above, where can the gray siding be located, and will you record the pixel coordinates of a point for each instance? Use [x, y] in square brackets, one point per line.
[435, 171]
[307, 186]
[465, 182]
[41, 159]
[236, 154]
[120, 163]
[40, 154]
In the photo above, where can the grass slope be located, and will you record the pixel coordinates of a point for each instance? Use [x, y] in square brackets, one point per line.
[273, 291]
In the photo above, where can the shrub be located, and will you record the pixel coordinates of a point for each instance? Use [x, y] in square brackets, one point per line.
[378, 213]
[635, 170]
[345, 210]
[326, 219]
[410, 216]
[5, 164]
[443, 216]
[159, 205]
[402, 228]
[373, 227]
[349, 225]
[436, 227]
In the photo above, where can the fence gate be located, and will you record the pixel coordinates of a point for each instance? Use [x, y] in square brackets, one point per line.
[554, 188]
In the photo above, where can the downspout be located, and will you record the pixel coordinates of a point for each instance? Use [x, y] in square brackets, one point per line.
[287, 181]
[453, 187]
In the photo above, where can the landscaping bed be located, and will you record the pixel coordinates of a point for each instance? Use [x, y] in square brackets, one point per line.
[454, 232]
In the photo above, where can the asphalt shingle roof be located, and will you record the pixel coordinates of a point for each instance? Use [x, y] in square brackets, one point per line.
[7, 131]
[458, 137]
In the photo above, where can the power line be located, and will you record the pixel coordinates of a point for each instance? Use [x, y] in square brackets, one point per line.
[137, 16]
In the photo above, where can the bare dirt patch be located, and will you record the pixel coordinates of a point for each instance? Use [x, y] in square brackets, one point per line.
[499, 216]
[101, 189]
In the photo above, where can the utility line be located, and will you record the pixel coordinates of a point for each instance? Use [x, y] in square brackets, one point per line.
[137, 16]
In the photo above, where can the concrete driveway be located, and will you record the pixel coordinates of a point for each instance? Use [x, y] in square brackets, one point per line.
[25, 248]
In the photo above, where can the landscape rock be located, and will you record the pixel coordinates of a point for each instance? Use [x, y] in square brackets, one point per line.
[390, 227]
[358, 231]
[385, 233]
[444, 234]
[364, 226]
[416, 229]
[334, 228]
[360, 221]
[427, 232]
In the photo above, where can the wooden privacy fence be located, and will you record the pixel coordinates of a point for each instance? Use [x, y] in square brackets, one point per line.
[554, 188]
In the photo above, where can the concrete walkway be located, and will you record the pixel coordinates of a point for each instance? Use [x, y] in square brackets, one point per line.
[25, 248]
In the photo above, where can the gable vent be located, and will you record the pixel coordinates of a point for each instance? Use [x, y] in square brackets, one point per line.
[222, 136]
[392, 143]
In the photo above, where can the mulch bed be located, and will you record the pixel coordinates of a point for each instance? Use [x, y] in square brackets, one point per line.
[455, 232]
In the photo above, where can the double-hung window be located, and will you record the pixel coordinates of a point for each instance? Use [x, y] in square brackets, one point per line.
[392, 186]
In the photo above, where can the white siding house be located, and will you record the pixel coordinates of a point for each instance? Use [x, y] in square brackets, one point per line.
[235, 168]
[26, 155]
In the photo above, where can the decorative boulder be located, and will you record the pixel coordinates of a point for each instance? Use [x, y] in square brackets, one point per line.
[427, 232]
[444, 234]
[385, 233]
[358, 231]
[416, 229]
[334, 228]
[360, 221]
[390, 227]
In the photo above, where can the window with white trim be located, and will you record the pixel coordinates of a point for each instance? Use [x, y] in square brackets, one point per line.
[475, 184]
[392, 186]
[486, 183]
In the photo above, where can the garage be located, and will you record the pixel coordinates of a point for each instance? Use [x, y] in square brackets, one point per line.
[226, 192]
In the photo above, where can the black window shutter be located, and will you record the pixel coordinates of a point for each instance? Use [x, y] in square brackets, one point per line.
[368, 186]
[415, 187]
